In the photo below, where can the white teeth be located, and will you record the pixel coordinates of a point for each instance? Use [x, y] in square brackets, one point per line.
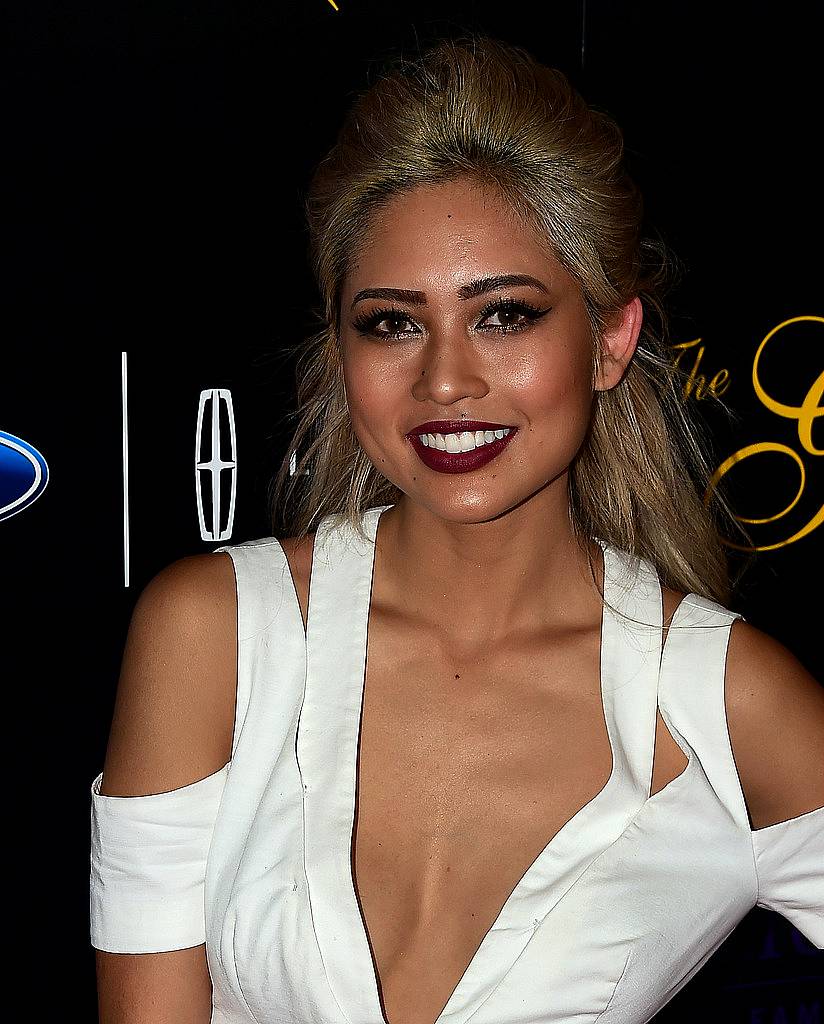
[465, 441]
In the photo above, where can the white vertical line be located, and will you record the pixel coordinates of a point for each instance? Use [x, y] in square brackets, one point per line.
[124, 400]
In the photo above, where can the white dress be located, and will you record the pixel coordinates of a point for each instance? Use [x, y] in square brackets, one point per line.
[618, 911]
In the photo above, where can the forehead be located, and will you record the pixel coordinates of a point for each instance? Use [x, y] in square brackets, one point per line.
[452, 230]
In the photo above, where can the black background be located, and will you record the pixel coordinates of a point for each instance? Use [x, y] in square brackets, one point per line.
[159, 155]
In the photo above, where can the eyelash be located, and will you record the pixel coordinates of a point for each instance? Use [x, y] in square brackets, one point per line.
[367, 322]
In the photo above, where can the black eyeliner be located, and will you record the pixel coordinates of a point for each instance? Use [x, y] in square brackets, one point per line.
[513, 306]
[366, 322]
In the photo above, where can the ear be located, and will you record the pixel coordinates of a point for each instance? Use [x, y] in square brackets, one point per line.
[618, 344]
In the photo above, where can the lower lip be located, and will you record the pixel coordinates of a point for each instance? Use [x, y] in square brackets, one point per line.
[460, 462]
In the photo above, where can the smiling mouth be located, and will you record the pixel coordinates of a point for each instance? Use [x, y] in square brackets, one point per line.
[461, 452]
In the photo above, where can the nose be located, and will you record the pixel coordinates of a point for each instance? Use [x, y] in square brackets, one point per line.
[448, 370]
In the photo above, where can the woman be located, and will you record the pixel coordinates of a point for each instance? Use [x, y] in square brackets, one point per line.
[565, 771]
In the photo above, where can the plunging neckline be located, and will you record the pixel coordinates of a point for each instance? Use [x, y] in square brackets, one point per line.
[327, 742]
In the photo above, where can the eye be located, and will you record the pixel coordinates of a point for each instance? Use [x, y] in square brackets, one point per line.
[514, 315]
[508, 311]
[367, 323]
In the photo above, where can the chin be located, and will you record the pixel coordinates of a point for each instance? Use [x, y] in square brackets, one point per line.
[463, 509]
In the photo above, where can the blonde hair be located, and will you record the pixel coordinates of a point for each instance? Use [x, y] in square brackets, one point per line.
[484, 110]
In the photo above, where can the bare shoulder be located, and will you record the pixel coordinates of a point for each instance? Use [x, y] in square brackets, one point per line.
[174, 708]
[775, 714]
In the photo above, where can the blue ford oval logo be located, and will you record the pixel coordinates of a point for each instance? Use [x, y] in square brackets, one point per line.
[23, 475]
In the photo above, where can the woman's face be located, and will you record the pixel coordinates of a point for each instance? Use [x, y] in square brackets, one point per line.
[431, 332]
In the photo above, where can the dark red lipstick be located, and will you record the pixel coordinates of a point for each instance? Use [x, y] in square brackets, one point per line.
[458, 462]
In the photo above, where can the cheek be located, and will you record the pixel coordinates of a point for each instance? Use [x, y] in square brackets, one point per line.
[372, 394]
[555, 395]
[557, 385]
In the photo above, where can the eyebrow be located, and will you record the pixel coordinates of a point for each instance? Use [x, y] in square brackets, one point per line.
[468, 291]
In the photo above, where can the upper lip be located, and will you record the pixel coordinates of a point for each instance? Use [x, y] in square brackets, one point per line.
[456, 426]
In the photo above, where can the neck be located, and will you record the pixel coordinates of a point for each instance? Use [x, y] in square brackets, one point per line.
[521, 573]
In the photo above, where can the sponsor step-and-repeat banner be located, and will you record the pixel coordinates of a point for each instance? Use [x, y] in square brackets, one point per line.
[146, 392]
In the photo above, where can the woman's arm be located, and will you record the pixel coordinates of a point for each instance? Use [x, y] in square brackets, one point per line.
[775, 713]
[172, 726]
[154, 988]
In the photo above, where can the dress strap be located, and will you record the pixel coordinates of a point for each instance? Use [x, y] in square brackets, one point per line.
[691, 693]
[630, 655]
[266, 601]
[326, 747]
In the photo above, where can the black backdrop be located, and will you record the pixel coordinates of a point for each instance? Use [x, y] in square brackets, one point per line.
[159, 158]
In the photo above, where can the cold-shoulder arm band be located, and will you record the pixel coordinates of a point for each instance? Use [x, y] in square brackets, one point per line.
[789, 860]
[148, 866]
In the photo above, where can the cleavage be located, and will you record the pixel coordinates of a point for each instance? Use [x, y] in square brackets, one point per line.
[456, 803]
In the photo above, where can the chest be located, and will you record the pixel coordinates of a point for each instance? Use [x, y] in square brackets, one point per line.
[466, 769]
